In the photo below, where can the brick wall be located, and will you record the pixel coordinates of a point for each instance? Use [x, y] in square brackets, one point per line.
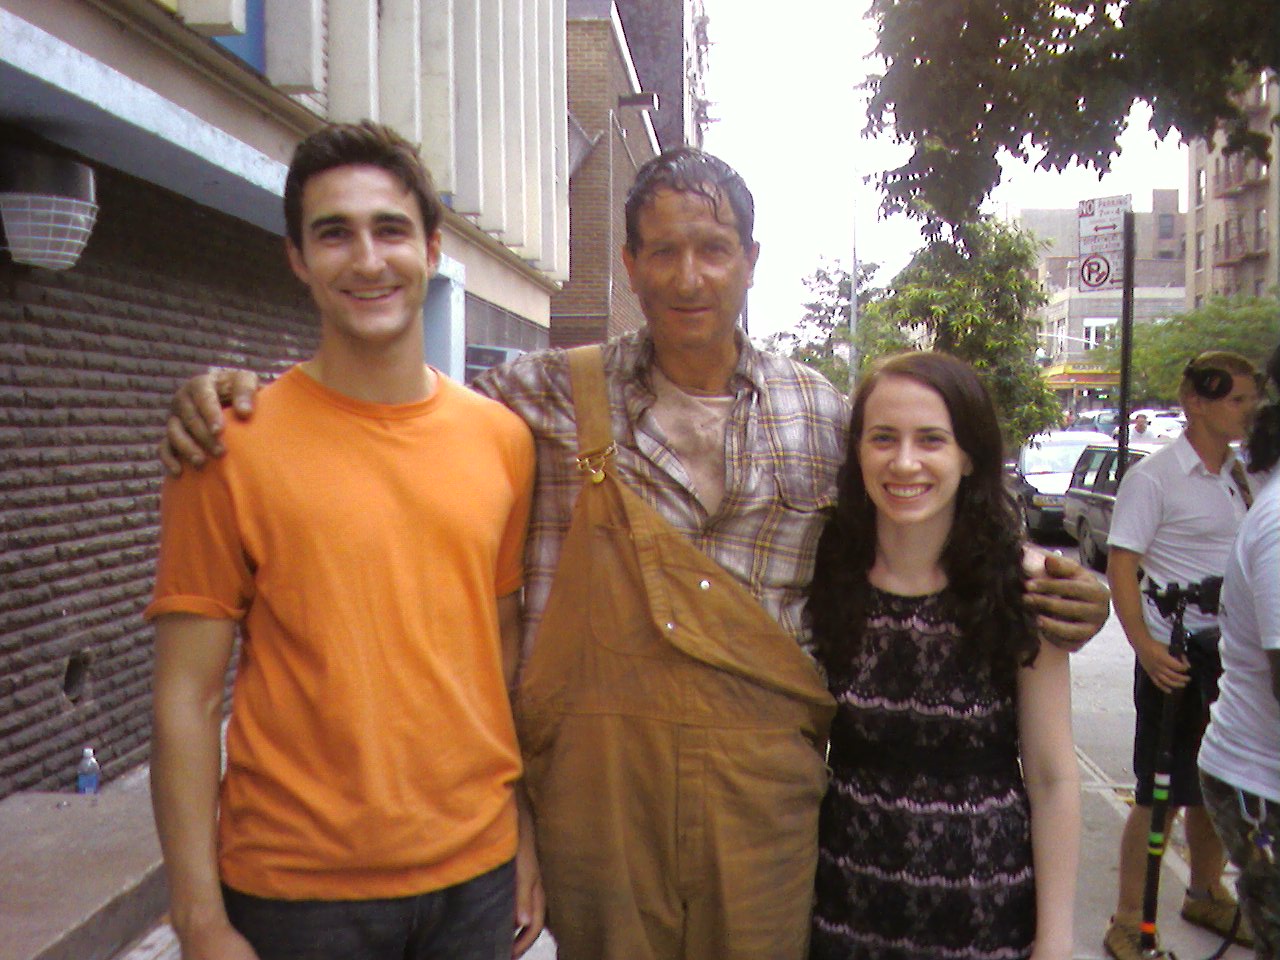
[88, 360]
[597, 302]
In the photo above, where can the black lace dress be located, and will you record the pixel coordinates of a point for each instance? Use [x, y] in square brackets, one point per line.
[925, 837]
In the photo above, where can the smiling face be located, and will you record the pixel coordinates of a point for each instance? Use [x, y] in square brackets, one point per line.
[364, 255]
[911, 462]
[690, 273]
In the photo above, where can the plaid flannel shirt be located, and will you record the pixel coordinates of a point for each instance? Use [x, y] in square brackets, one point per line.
[784, 442]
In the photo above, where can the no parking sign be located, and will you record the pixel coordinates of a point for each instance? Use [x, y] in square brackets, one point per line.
[1101, 263]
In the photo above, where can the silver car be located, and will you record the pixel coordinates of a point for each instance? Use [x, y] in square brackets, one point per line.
[1039, 475]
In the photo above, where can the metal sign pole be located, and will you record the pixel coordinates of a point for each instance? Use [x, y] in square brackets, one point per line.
[1126, 346]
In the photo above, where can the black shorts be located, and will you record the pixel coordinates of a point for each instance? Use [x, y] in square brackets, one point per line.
[1188, 730]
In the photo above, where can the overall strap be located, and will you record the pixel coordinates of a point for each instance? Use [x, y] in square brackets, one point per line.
[591, 410]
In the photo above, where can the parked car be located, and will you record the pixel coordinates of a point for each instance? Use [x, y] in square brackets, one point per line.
[1090, 498]
[1103, 420]
[1151, 413]
[1038, 477]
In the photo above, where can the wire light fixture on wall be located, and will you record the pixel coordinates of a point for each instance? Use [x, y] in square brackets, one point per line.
[47, 207]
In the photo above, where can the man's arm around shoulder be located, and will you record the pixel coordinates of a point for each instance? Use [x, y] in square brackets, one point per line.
[191, 658]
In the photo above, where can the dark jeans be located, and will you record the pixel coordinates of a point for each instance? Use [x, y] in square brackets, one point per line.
[474, 920]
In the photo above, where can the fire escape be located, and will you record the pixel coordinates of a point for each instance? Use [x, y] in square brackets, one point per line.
[1240, 183]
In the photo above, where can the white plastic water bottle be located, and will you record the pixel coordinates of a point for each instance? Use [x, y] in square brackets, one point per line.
[88, 773]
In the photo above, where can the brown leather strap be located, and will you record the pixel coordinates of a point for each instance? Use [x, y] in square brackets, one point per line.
[591, 408]
[1242, 483]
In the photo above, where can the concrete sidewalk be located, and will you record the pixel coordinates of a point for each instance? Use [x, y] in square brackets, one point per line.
[1103, 812]
[80, 877]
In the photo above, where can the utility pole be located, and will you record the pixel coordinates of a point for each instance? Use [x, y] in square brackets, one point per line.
[853, 294]
[1126, 345]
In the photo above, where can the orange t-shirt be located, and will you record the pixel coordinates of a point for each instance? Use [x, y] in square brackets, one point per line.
[371, 751]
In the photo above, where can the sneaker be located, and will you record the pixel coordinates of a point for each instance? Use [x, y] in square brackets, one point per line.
[1123, 939]
[1217, 913]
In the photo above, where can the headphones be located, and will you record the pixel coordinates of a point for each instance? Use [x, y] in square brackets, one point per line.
[1209, 383]
[1214, 383]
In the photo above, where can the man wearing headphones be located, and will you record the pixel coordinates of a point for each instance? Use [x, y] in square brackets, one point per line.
[1176, 515]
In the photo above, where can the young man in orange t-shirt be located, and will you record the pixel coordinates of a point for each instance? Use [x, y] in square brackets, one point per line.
[365, 543]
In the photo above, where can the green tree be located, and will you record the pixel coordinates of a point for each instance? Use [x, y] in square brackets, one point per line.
[974, 297]
[821, 338]
[1249, 326]
[967, 81]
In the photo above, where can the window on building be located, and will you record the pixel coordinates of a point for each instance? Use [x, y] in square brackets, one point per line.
[1199, 302]
[1165, 226]
[1260, 228]
[1259, 287]
[1200, 187]
[1199, 249]
[1098, 330]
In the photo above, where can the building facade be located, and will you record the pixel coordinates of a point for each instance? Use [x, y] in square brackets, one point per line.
[174, 121]
[1234, 236]
[669, 46]
[612, 132]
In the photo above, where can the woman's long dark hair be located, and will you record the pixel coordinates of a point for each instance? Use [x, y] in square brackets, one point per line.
[982, 558]
[1263, 446]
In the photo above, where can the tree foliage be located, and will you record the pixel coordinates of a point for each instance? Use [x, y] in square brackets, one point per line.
[974, 297]
[1248, 326]
[821, 338]
[969, 80]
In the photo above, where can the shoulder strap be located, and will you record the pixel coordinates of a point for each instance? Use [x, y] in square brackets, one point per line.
[591, 410]
[1242, 483]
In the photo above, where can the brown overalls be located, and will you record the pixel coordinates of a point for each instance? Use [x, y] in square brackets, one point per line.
[673, 736]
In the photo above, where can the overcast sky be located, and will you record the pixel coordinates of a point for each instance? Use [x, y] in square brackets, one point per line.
[783, 80]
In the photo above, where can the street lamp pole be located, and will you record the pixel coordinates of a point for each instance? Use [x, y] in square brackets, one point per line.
[853, 289]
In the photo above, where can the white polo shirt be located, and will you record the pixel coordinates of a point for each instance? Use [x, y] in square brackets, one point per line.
[1242, 745]
[1181, 519]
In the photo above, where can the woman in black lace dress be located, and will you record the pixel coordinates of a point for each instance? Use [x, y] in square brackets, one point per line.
[951, 826]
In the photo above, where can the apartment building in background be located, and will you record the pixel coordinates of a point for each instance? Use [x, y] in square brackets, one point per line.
[1233, 231]
[1074, 323]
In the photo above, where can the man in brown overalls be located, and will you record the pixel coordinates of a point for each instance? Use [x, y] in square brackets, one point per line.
[673, 724]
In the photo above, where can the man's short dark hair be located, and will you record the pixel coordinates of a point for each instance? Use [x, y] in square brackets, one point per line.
[367, 144]
[687, 170]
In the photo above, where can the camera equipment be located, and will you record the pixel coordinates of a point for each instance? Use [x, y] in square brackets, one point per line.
[1172, 600]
